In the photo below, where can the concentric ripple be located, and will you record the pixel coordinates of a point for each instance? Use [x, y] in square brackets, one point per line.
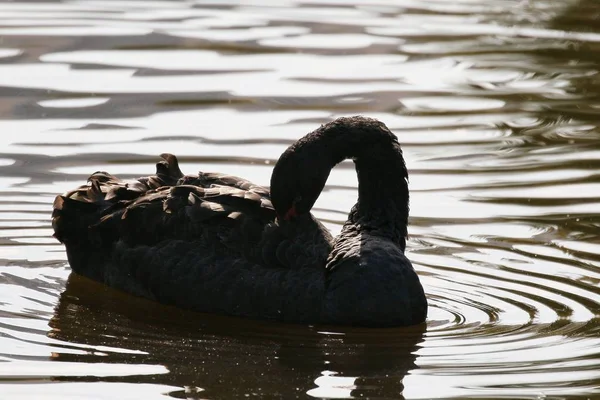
[495, 103]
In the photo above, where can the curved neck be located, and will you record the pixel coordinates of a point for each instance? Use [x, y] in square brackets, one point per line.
[382, 207]
[383, 199]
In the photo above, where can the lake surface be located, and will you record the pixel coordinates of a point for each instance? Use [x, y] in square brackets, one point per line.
[496, 104]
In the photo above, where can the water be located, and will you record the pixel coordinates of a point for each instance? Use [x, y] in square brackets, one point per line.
[496, 103]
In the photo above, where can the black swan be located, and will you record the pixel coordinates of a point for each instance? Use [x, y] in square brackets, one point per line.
[220, 244]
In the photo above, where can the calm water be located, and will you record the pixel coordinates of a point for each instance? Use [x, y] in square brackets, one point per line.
[496, 102]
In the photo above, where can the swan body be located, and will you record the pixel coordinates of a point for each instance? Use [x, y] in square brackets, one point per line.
[221, 244]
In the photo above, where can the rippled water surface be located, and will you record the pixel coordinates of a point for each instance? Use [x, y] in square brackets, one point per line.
[496, 104]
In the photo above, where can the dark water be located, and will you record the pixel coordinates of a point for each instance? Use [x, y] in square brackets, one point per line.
[496, 103]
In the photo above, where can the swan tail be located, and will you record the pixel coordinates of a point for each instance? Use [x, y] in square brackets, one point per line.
[72, 218]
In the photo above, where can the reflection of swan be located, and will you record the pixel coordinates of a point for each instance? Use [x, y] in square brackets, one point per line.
[226, 357]
[212, 242]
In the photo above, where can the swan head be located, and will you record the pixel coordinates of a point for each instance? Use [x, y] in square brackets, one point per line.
[297, 181]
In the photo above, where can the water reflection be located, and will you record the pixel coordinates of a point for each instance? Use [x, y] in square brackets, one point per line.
[285, 360]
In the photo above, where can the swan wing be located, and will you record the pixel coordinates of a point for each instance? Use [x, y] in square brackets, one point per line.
[163, 206]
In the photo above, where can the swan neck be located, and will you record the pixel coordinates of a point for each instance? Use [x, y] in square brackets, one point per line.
[382, 207]
[302, 171]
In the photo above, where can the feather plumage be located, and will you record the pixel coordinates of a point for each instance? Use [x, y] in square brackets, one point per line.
[218, 243]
